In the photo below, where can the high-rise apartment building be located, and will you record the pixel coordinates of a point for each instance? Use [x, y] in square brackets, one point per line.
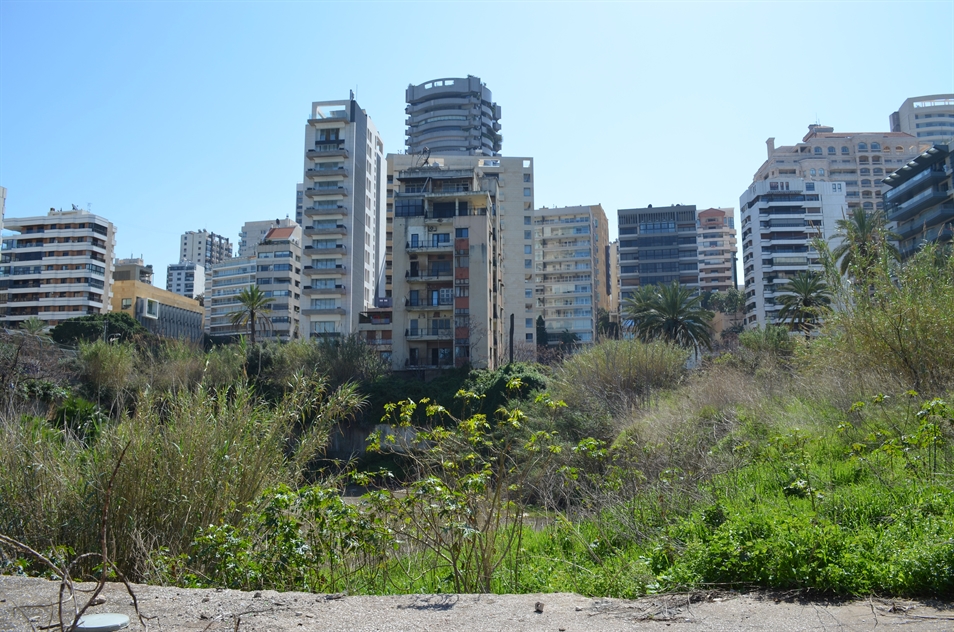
[204, 248]
[452, 117]
[930, 118]
[657, 245]
[920, 201]
[3, 205]
[253, 233]
[342, 216]
[276, 270]
[60, 265]
[186, 279]
[572, 275]
[718, 249]
[299, 203]
[780, 217]
[859, 160]
[509, 182]
[446, 263]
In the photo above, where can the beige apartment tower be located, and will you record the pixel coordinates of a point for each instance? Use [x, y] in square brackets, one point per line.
[573, 278]
[718, 249]
[859, 160]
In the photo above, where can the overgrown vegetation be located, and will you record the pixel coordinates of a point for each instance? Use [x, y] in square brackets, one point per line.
[820, 462]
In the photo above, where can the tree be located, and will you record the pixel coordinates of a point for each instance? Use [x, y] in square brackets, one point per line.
[254, 302]
[543, 338]
[732, 301]
[671, 313]
[865, 238]
[109, 326]
[33, 326]
[605, 327]
[807, 297]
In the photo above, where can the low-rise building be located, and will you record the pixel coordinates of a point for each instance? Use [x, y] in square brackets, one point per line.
[920, 203]
[163, 313]
[59, 266]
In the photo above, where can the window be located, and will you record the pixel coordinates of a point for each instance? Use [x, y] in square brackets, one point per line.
[529, 337]
[528, 250]
[527, 220]
[812, 172]
[527, 192]
[844, 150]
[152, 308]
[809, 186]
[528, 263]
[875, 146]
[461, 233]
[528, 293]
[527, 235]
[862, 146]
[831, 150]
[526, 177]
[127, 303]
[818, 151]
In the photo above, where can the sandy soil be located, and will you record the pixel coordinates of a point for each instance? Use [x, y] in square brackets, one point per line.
[25, 604]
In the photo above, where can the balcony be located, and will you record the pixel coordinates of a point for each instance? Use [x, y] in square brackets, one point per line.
[339, 249]
[316, 311]
[921, 201]
[321, 191]
[428, 303]
[323, 291]
[928, 177]
[431, 274]
[339, 229]
[340, 172]
[430, 333]
[942, 215]
[327, 151]
[311, 211]
[432, 246]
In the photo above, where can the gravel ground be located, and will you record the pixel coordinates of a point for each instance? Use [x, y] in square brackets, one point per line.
[25, 605]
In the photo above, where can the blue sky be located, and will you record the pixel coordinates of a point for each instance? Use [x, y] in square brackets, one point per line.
[175, 116]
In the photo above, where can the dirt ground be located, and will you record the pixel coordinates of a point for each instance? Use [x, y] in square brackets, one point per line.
[25, 604]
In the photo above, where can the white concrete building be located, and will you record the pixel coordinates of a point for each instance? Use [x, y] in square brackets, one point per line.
[186, 279]
[203, 247]
[572, 272]
[930, 118]
[780, 217]
[59, 266]
[253, 233]
[342, 217]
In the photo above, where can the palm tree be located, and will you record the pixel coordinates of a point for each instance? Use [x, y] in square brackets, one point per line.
[807, 297]
[254, 308]
[865, 238]
[33, 326]
[672, 313]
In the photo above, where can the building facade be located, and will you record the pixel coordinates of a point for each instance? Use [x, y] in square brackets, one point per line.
[657, 245]
[186, 279]
[920, 201]
[780, 218]
[859, 160]
[930, 118]
[718, 249]
[205, 248]
[133, 269]
[446, 273]
[276, 270]
[452, 117]
[278, 275]
[163, 313]
[343, 216]
[253, 233]
[572, 272]
[59, 266]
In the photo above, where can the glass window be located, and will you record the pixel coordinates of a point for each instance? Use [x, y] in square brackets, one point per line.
[875, 146]
[862, 146]
[527, 220]
[528, 250]
[527, 263]
[844, 150]
[527, 192]
[528, 323]
[831, 150]
[818, 150]
[127, 303]
[527, 235]
[461, 233]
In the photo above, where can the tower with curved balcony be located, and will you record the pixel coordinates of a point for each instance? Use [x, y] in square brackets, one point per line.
[452, 117]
